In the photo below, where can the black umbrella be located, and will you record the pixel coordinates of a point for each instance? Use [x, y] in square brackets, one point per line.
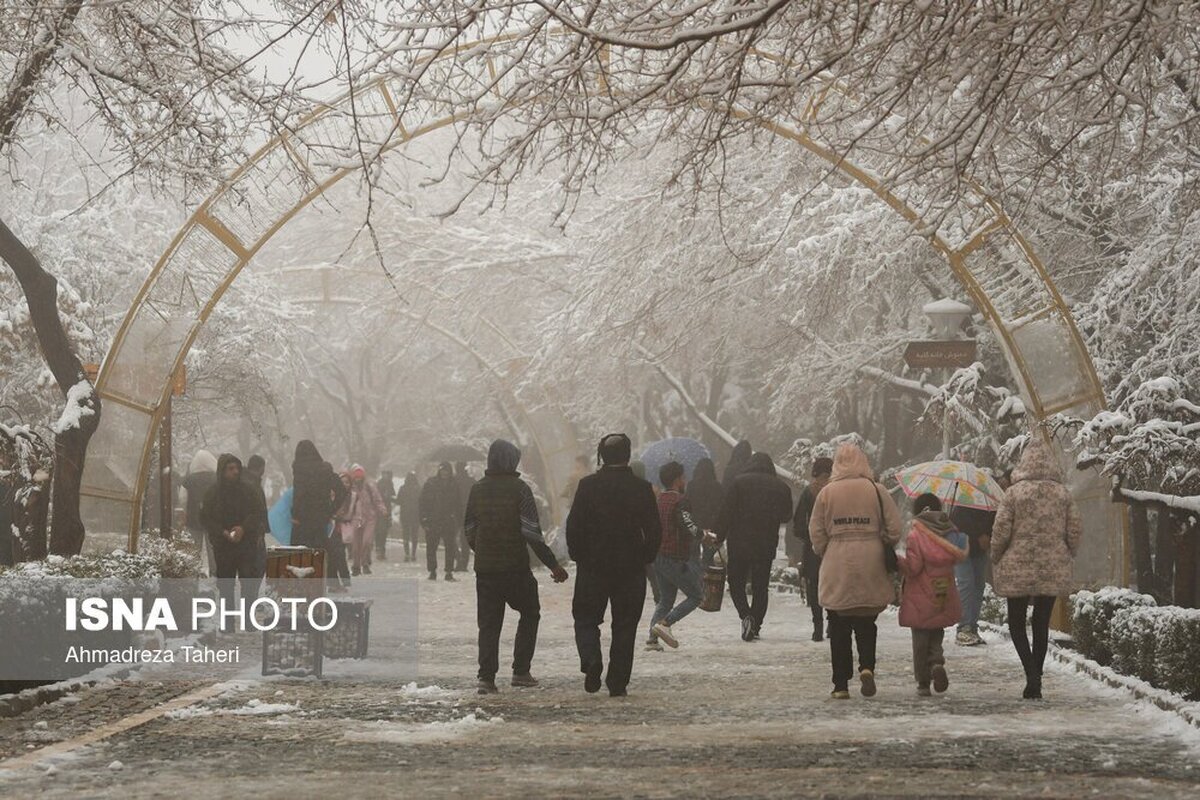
[455, 452]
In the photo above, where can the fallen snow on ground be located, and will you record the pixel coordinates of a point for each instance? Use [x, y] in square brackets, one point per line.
[420, 733]
[253, 708]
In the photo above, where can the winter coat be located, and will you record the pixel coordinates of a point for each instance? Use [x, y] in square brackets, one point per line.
[387, 492]
[409, 498]
[232, 504]
[441, 502]
[317, 491]
[705, 495]
[1037, 530]
[755, 506]
[613, 526]
[255, 481]
[739, 459]
[365, 506]
[810, 561]
[849, 536]
[929, 599]
[501, 518]
[202, 474]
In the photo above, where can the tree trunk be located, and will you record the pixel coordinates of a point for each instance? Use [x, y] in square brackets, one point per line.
[1185, 568]
[1140, 534]
[1164, 549]
[70, 444]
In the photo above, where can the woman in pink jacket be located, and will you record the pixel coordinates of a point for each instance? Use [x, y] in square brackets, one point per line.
[358, 526]
[929, 601]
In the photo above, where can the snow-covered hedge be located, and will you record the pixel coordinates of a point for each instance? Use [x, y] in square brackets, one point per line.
[157, 558]
[1091, 619]
[994, 608]
[1160, 645]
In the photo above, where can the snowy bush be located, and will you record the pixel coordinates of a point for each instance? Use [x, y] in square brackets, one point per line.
[1092, 615]
[1177, 655]
[994, 608]
[1134, 637]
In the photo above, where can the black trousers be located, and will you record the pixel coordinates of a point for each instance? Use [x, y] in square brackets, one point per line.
[842, 629]
[1033, 659]
[411, 530]
[382, 528]
[594, 591]
[447, 537]
[519, 591]
[812, 586]
[237, 563]
[758, 570]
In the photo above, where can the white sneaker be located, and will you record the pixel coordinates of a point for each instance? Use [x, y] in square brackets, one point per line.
[663, 631]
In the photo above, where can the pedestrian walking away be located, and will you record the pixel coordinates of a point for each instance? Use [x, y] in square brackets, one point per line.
[441, 509]
[1034, 541]
[317, 493]
[757, 504]
[383, 526]
[462, 559]
[501, 526]
[359, 520]
[853, 520]
[929, 601]
[971, 574]
[232, 513]
[256, 467]
[677, 565]
[613, 532]
[810, 562]
[409, 498]
[704, 495]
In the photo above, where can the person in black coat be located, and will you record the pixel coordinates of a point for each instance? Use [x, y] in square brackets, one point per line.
[739, 459]
[409, 498]
[316, 494]
[256, 467]
[810, 562]
[704, 494]
[463, 560]
[232, 513]
[442, 516]
[613, 532]
[755, 507]
[387, 493]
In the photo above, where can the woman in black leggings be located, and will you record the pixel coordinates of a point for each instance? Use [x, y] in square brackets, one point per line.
[1034, 541]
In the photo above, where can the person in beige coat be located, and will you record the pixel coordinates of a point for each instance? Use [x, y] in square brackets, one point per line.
[1034, 541]
[853, 520]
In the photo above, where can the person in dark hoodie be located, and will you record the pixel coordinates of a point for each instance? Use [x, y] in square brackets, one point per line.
[409, 498]
[256, 467]
[501, 527]
[613, 532]
[755, 506]
[739, 459]
[316, 493]
[232, 513]
[441, 516]
[704, 495]
[387, 493]
[810, 562]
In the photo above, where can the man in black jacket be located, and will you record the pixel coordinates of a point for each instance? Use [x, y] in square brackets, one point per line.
[613, 532]
[441, 516]
[316, 494]
[501, 526]
[810, 562]
[232, 514]
[757, 503]
[387, 493]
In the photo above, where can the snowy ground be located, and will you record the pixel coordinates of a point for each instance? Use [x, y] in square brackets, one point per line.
[717, 717]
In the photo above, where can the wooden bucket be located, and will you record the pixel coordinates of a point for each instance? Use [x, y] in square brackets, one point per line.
[714, 586]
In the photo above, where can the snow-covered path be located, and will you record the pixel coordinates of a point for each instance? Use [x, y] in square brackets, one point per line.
[717, 717]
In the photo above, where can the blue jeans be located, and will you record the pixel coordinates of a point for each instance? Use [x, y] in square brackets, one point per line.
[970, 577]
[676, 576]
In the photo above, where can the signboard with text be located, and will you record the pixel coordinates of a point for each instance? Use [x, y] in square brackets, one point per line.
[940, 354]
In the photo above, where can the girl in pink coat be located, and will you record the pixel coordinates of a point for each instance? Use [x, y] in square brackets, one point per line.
[364, 508]
[929, 601]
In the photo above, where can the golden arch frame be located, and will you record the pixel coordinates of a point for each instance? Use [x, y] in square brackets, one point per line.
[997, 267]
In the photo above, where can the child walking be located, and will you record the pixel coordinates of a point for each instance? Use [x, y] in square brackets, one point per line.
[929, 601]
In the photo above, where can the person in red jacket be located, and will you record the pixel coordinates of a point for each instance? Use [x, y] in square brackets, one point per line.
[929, 602]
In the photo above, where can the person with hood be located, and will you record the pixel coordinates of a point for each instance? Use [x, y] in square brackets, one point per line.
[704, 495]
[853, 521]
[387, 493]
[739, 459]
[462, 560]
[409, 498]
[929, 601]
[639, 471]
[810, 562]
[201, 476]
[337, 566]
[613, 532]
[1034, 542]
[756, 504]
[232, 513]
[317, 493]
[359, 518]
[441, 516]
[501, 526]
[256, 467]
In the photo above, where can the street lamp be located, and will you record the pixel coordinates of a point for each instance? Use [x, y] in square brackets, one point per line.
[946, 317]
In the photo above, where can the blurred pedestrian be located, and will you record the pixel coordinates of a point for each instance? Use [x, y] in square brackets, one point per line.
[232, 513]
[677, 565]
[387, 493]
[409, 498]
[360, 519]
[201, 476]
[810, 562]
[441, 517]
[704, 495]
[463, 557]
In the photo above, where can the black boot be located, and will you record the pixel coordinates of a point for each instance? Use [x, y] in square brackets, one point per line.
[1033, 687]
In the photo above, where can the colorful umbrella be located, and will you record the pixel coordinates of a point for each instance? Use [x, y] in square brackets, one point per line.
[687, 452]
[957, 483]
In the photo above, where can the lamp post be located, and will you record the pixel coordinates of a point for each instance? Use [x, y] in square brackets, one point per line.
[946, 317]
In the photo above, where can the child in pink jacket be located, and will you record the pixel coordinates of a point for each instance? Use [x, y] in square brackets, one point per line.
[929, 601]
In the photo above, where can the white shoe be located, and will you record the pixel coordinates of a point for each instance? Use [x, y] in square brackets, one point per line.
[663, 631]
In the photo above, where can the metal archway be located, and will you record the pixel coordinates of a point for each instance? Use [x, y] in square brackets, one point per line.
[985, 252]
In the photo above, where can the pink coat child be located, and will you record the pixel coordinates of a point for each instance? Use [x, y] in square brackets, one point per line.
[358, 523]
[929, 601]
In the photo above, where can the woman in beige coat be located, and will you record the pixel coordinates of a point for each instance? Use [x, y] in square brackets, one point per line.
[853, 520]
[1034, 541]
